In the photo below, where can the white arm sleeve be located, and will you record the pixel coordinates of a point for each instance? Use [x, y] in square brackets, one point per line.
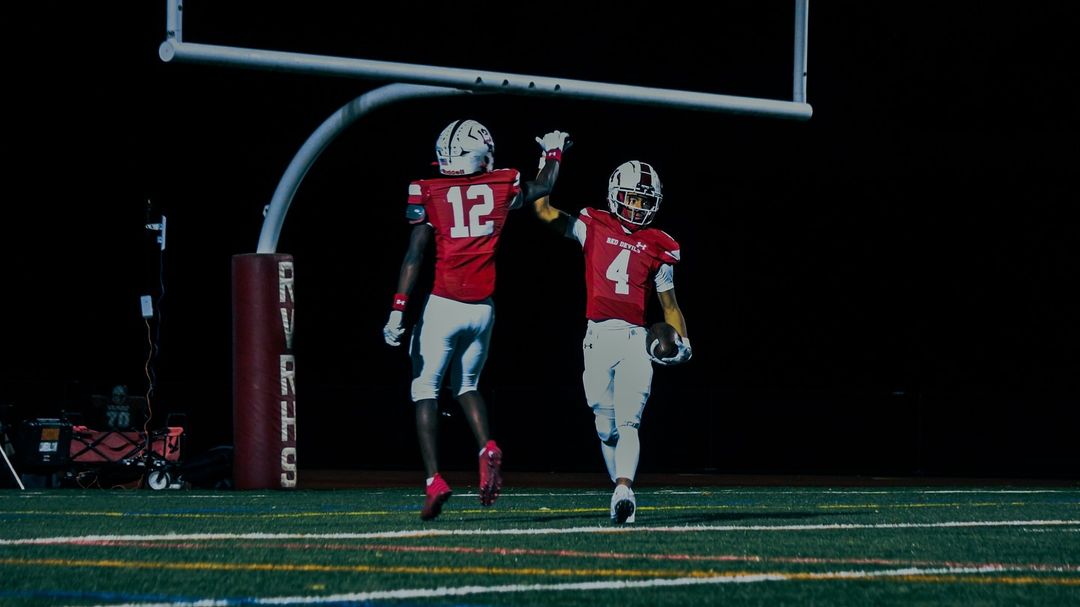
[665, 278]
[576, 230]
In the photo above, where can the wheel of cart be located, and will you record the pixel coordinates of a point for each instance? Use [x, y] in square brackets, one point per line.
[159, 479]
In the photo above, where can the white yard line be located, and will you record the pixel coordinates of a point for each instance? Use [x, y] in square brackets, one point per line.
[411, 533]
[417, 593]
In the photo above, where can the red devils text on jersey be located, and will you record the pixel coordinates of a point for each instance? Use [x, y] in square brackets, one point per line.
[620, 267]
[468, 214]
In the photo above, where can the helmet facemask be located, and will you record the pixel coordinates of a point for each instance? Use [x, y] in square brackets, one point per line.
[634, 208]
[634, 194]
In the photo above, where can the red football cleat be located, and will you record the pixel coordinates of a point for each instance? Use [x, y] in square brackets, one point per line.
[437, 494]
[490, 473]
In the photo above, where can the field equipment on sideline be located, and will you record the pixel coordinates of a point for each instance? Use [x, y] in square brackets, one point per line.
[74, 452]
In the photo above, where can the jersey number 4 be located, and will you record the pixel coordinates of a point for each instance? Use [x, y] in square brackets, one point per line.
[476, 226]
[617, 272]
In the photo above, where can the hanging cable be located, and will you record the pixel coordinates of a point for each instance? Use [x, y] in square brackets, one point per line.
[149, 380]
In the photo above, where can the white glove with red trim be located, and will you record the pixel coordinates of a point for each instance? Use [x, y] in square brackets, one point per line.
[553, 145]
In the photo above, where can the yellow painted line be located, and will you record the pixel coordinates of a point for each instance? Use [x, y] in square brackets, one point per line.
[282, 515]
[921, 505]
[307, 568]
[537, 571]
[590, 509]
[778, 508]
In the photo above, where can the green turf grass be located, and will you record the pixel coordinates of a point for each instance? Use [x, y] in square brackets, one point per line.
[892, 546]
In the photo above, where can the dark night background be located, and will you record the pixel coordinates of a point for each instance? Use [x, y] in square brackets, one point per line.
[886, 289]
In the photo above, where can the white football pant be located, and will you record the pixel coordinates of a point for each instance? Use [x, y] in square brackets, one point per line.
[450, 333]
[618, 378]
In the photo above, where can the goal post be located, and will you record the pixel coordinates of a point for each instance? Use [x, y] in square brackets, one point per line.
[264, 372]
[264, 367]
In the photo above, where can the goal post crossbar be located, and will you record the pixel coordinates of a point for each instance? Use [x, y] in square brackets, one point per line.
[175, 49]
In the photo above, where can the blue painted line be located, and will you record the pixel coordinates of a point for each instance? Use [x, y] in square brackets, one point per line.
[1056, 502]
[97, 596]
[167, 598]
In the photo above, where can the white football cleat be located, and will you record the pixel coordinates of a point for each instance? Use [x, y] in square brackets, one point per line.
[623, 505]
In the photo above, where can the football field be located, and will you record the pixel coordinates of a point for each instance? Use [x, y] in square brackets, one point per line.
[538, 546]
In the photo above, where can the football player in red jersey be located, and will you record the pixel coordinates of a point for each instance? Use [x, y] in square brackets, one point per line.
[625, 260]
[463, 212]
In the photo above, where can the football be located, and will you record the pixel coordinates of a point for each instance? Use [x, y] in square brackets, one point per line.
[664, 335]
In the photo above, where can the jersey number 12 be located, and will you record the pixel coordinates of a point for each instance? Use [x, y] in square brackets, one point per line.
[476, 226]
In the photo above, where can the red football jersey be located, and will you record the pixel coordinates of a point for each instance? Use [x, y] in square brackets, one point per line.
[468, 214]
[620, 267]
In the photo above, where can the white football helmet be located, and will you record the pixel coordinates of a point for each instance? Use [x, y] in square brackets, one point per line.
[465, 147]
[634, 193]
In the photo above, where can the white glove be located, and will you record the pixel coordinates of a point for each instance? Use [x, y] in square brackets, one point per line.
[393, 330]
[555, 140]
[682, 355]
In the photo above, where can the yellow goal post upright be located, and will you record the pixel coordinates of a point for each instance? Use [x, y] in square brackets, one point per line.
[264, 367]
